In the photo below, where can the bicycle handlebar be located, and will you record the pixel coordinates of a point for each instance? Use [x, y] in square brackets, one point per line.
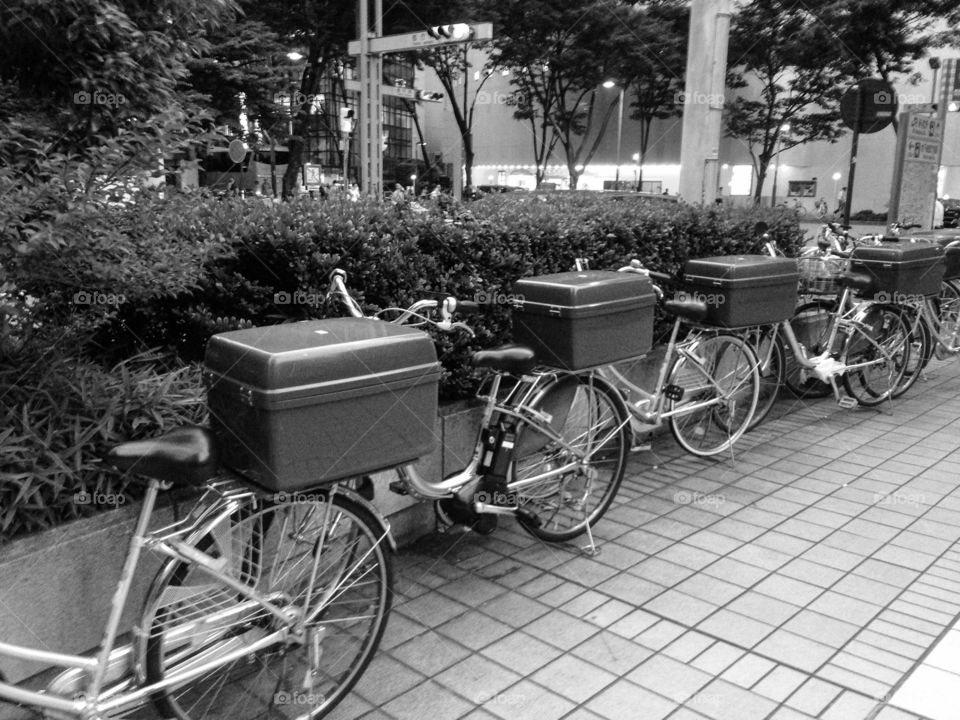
[418, 311]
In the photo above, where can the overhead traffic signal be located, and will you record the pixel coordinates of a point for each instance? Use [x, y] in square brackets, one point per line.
[429, 96]
[456, 31]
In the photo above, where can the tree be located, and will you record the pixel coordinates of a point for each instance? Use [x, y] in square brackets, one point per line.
[655, 67]
[783, 53]
[559, 53]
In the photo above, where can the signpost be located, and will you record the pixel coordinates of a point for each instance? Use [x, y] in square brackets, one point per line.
[369, 47]
[866, 107]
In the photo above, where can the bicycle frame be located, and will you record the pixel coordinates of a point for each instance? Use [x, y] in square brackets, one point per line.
[655, 399]
[84, 689]
[515, 405]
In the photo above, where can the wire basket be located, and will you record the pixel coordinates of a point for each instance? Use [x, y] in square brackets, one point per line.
[821, 275]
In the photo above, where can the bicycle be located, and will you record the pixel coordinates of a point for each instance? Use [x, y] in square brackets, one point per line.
[864, 343]
[262, 602]
[707, 383]
[551, 449]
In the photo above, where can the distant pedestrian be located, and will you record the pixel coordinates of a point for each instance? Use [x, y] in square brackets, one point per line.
[841, 200]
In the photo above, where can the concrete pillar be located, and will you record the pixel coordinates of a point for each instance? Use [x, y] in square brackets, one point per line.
[703, 100]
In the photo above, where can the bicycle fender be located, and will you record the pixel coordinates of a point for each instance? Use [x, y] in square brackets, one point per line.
[372, 509]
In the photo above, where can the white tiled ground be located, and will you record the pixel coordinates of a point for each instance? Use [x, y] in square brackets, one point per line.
[933, 688]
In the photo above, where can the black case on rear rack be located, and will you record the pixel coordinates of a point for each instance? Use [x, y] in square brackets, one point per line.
[300, 404]
[943, 237]
[900, 267]
[742, 290]
[582, 319]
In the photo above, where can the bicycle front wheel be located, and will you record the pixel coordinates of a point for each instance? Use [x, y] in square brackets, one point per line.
[880, 345]
[811, 324]
[948, 315]
[588, 414]
[327, 562]
[720, 381]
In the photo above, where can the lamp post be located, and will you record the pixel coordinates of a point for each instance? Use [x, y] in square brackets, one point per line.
[610, 84]
[636, 170]
[836, 179]
[776, 168]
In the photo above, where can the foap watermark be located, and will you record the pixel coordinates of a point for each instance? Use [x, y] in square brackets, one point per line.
[499, 98]
[882, 97]
[495, 498]
[710, 300]
[299, 698]
[99, 498]
[298, 99]
[688, 497]
[98, 97]
[699, 98]
[298, 297]
[898, 298]
[85, 297]
[711, 700]
[496, 298]
[900, 497]
[501, 698]
[297, 497]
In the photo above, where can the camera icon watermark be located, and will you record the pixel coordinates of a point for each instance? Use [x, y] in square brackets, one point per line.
[898, 298]
[298, 297]
[84, 297]
[500, 98]
[684, 97]
[98, 97]
[494, 298]
[96, 497]
[297, 497]
[298, 698]
[687, 497]
[710, 300]
[495, 497]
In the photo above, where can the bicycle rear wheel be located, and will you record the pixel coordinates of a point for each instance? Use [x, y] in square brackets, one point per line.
[881, 341]
[921, 347]
[192, 618]
[588, 413]
[811, 324]
[772, 358]
[720, 390]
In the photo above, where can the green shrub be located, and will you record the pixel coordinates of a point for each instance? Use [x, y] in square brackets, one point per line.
[59, 415]
[189, 266]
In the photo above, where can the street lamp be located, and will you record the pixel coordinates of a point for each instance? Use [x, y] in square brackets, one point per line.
[609, 84]
[636, 170]
[776, 168]
[836, 178]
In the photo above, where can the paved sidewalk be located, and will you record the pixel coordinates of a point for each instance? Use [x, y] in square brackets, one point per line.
[806, 579]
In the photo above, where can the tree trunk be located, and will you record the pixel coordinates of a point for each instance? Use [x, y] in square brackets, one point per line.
[758, 190]
[468, 156]
[309, 87]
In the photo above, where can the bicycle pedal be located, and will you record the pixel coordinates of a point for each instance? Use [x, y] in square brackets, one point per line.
[847, 402]
[673, 392]
[399, 487]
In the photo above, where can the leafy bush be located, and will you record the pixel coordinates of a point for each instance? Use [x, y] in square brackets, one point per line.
[189, 266]
[59, 416]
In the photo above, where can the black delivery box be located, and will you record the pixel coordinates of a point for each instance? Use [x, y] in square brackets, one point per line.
[582, 319]
[304, 403]
[742, 290]
[904, 268]
[943, 237]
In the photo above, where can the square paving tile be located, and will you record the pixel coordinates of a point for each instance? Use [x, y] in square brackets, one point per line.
[573, 678]
[735, 628]
[670, 678]
[612, 652]
[521, 653]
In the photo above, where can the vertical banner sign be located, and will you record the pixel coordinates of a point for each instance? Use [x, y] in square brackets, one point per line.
[914, 191]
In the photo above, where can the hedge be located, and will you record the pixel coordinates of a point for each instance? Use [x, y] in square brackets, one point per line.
[109, 283]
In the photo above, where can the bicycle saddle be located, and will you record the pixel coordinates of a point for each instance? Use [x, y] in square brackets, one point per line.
[694, 310]
[513, 359]
[184, 456]
[857, 281]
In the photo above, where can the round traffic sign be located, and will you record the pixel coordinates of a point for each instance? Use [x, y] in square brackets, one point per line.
[878, 105]
[236, 151]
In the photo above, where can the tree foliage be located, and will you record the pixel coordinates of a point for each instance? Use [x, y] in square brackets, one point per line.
[559, 54]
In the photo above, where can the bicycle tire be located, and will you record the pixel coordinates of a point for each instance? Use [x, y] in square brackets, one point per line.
[585, 410]
[885, 345]
[947, 306]
[271, 548]
[921, 347]
[772, 366]
[728, 380]
[811, 324]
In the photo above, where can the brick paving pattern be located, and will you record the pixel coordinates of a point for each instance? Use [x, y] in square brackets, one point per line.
[806, 578]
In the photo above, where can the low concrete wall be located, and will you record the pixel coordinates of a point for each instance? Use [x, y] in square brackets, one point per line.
[55, 587]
